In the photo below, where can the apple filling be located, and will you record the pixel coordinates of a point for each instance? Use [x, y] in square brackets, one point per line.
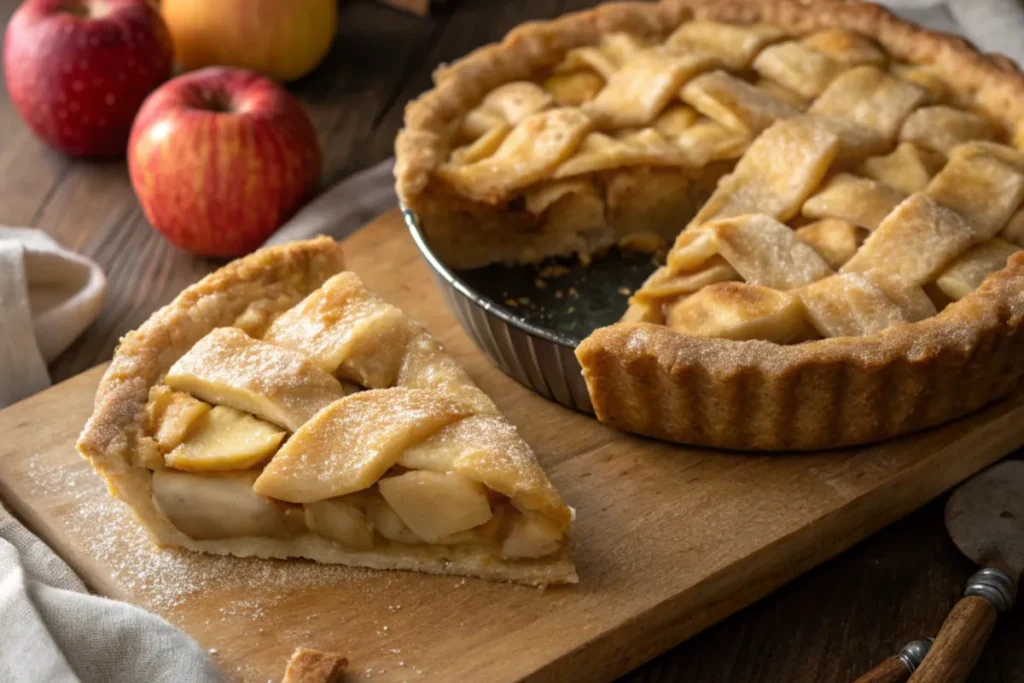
[213, 456]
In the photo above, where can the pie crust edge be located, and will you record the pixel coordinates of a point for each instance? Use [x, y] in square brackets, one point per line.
[651, 380]
[248, 293]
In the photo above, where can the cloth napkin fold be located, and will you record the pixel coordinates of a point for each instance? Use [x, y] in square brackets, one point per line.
[53, 631]
[48, 296]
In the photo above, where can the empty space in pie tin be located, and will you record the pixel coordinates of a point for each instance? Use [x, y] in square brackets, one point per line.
[529, 319]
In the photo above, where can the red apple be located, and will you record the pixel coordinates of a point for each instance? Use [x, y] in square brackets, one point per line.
[78, 70]
[220, 157]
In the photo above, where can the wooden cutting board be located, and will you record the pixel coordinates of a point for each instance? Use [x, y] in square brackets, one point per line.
[668, 541]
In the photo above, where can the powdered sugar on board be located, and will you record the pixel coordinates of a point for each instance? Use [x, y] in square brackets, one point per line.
[170, 581]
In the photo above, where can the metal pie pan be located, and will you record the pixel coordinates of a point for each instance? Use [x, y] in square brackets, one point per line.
[529, 319]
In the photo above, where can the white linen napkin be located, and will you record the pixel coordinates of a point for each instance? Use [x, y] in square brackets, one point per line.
[48, 296]
[53, 631]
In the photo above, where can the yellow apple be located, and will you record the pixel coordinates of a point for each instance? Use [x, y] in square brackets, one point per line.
[283, 39]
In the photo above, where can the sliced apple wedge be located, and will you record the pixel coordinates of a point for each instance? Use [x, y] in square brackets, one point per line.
[531, 535]
[385, 520]
[342, 521]
[171, 415]
[210, 506]
[225, 439]
[436, 504]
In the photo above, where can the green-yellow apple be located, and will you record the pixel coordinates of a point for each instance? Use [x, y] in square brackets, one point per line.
[284, 39]
[77, 70]
[219, 158]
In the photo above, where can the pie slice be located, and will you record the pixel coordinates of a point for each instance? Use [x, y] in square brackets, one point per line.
[332, 428]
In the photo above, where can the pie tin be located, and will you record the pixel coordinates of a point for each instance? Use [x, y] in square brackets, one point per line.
[528, 320]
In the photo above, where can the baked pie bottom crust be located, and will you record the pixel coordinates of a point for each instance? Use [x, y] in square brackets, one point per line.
[250, 294]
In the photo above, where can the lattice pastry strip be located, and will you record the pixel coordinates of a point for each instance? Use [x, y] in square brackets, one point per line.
[740, 311]
[861, 201]
[982, 188]
[228, 367]
[942, 128]
[573, 88]
[734, 103]
[600, 152]
[856, 141]
[762, 250]
[845, 47]
[908, 169]
[664, 284]
[707, 141]
[777, 173]
[969, 270]
[355, 441]
[734, 45]
[916, 241]
[856, 304]
[509, 104]
[648, 80]
[528, 154]
[835, 239]
[870, 97]
[606, 58]
[798, 67]
[935, 86]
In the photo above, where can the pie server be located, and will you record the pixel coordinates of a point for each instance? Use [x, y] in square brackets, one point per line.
[985, 518]
[529, 320]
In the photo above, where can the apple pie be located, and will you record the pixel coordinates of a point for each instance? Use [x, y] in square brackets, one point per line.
[279, 409]
[834, 197]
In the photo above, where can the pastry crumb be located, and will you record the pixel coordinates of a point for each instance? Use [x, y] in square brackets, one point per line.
[625, 291]
[511, 302]
[314, 666]
[540, 284]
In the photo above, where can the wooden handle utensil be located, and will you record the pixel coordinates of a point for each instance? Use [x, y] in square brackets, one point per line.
[897, 669]
[956, 650]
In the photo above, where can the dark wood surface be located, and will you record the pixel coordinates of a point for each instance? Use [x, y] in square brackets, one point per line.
[832, 624]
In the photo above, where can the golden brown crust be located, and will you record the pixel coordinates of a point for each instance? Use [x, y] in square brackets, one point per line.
[314, 666]
[757, 395]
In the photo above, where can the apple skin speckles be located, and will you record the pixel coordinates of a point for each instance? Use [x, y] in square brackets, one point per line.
[77, 77]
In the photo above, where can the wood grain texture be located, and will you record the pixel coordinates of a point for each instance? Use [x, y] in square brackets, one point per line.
[830, 625]
[668, 540]
[960, 642]
[891, 670]
[418, 7]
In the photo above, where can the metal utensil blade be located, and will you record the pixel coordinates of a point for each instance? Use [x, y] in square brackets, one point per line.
[985, 518]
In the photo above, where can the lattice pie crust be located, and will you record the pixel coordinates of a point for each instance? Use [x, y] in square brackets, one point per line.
[838, 192]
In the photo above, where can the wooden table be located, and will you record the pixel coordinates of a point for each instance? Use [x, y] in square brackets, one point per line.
[829, 625]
